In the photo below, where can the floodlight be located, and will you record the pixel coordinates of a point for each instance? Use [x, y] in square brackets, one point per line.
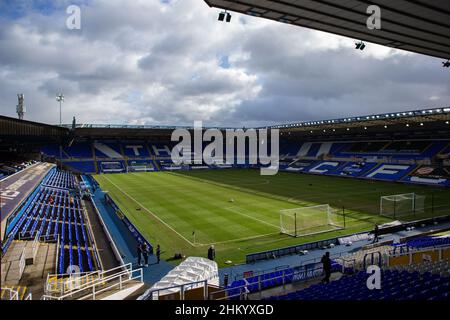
[360, 45]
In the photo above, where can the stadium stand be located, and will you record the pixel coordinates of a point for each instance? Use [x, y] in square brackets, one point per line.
[11, 167]
[399, 153]
[389, 161]
[396, 286]
[424, 242]
[422, 262]
[54, 212]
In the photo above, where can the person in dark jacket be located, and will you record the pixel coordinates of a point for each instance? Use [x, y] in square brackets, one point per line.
[139, 253]
[326, 262]
[158, 253]
[376, 233]
[211, 253]
[145, 252]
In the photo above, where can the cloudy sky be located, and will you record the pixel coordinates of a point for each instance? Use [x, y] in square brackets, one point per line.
[170, 62]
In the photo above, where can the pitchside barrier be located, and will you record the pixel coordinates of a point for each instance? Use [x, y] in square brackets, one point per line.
[134, 231]
[298, 249]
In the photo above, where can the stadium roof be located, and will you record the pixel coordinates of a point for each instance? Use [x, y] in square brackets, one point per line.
[422, 115]
[421, 26]
[433, 122]
[403, 117]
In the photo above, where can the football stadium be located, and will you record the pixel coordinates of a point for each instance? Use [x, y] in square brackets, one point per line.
[347, 208]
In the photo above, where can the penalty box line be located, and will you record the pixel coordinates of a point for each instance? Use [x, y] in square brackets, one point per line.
[243, 239]
[151, 213]
[250, 217]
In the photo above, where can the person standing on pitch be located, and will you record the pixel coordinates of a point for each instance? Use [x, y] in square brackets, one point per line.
[211, 253]
[158, 254]
[139, 254]
[326, 262]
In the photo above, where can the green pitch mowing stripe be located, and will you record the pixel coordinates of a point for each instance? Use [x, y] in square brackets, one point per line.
[167, 207]
[199, 206]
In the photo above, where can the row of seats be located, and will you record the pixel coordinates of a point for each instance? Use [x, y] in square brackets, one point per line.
[396, 149]
[396, 285]
[441, 267]
[54, 212]
[267, 280]
[117, 150]
[276, 278]
[424, 242]
[60, 179]
[113, 150]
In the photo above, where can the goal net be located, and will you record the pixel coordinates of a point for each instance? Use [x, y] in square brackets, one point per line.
[402, 205]
[140, 166]
[310, 220]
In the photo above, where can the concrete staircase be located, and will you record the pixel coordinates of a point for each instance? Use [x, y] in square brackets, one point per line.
[35, 269]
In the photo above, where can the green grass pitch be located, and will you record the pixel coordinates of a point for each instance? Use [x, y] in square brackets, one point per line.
[168, 207]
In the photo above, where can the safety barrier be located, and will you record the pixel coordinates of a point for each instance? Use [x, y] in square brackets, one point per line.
[89, 286]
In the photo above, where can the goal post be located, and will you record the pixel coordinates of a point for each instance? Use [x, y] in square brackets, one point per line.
[404, 204]
[304, 221]
[139, 166]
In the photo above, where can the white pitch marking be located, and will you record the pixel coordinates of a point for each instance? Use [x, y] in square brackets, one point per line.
[242, 239]
[154, 215]
[250, 217]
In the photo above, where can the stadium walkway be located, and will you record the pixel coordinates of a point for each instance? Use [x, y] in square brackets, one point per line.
[17, 187]
[314, 255]
[126, 243]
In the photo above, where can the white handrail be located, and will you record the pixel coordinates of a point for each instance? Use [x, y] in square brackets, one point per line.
[59, 282]
[57, 253]
[13, 294]
[76, 278]
[35, 246]
[22, 264]
[101, 280]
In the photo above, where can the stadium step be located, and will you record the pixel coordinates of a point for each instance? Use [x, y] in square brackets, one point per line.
[14, 251]
[127, 290]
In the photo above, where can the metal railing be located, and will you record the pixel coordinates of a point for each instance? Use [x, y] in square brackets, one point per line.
[95, 285]
[241, 292]
[260, 272]
[155, 294]
[35, 246]
[22, 264]
[405, 249]
[64, 283]
[13, 294]
[57, 253]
